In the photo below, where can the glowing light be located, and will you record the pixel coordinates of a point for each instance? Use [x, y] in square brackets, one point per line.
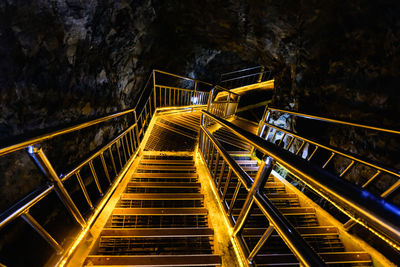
[194, 99]
[31, 149]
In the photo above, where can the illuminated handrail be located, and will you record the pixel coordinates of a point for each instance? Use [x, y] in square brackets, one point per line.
[208, 143]
[120, 151]
[244, 77]
[273, 133]
[314, 117]
[374, 213]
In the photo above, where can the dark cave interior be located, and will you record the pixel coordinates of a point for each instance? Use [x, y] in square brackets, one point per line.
[73, 60]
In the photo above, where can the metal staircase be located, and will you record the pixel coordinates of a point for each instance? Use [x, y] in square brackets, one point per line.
[148, 197]
[160, 219]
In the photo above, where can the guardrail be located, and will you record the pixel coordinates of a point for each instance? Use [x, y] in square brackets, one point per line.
[219, 162]
[324, 155]
[115, 158]
[244, 77]
[372, 212]
[225, 105]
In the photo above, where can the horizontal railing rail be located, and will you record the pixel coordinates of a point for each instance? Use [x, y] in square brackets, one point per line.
[244, 77]
[106, 166]
[241, 70]
[223, 105]
[372, 212]
[223, 169]
[297, 144]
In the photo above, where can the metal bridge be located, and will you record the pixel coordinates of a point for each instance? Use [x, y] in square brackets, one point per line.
[188, 182]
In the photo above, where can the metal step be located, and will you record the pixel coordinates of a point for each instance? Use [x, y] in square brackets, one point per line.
[154, 260]
[329, 258]
[160, 232]
[164, 175]
[160, 211]
[165, 168]
[163, 185]
[166, 162]
[162, 196]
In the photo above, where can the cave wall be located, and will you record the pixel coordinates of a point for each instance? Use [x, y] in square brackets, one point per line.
[68, 60]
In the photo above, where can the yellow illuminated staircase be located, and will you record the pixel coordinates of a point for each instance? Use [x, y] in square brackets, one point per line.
[188, 182]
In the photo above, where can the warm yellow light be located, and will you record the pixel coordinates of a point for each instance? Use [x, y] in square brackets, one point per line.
[236, 248]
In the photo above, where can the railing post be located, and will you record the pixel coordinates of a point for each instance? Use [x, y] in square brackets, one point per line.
[154, 90]
[260, 126]
[261, 75]
[137, 129]
[259, 182]
[39, 157]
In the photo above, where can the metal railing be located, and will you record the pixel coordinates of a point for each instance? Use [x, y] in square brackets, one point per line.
[225, 173]
[115, 158]
[225, 105]
[244, 77]
[372, 212]
[324, 155]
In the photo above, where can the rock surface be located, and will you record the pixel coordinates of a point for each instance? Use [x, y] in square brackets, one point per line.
[68, 60]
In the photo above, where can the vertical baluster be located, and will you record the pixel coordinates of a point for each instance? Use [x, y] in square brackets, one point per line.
[123, 149]
[96, 180]
[235, 194]
[169, 97]
[212, 158]
[83, 187]
[226, 186]
[216, 166]
[128, 150]
[330, 158]
[42, 232]
[347, 169]
[103, 162]
[312, 154]
[221, 174]
[301, 147]
[290, 143]
[112, 160]
[118, 145]
[371, 179]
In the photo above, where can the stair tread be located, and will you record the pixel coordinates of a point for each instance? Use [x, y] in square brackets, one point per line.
[155, 260]
[167, 161]
[164, 184]
[304, 231]
[328, 257]
[162, 196]
[160, 211]
[157, 232]
[164, 175]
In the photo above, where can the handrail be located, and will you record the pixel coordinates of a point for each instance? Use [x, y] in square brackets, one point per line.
[178, 88]
[245, 76]
[242, 175]
[376, 165]
[126, 145]
[378, 213]
[44, 137]
[241, 70]
[314, 117]
[292, 238]
[182, 77]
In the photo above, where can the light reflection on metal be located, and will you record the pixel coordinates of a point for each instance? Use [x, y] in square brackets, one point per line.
[294, 241]
[374, 211]
[129, 145]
